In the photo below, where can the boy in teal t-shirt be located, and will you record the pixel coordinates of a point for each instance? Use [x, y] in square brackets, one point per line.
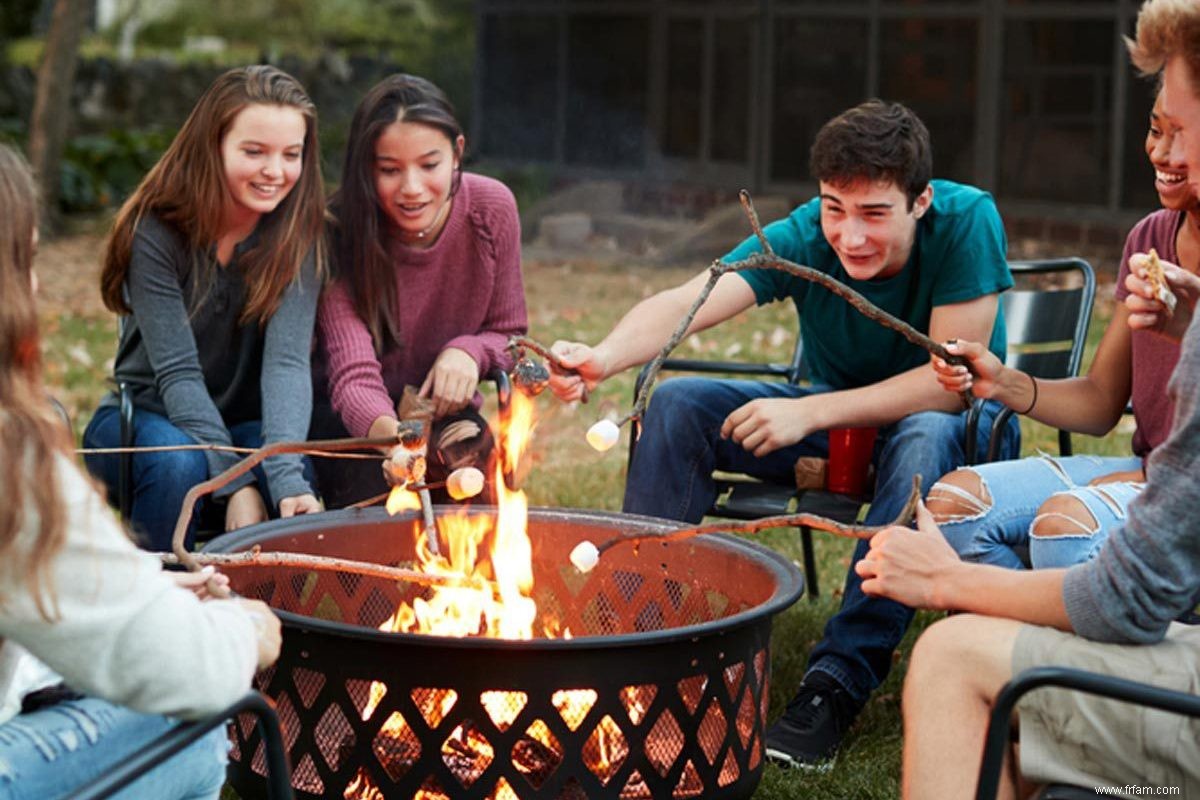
[957, 255]
[929, 252]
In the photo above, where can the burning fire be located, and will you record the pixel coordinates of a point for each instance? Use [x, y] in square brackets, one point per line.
[491, 556]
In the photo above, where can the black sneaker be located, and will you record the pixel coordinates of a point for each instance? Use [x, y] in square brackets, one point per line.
[809, 732]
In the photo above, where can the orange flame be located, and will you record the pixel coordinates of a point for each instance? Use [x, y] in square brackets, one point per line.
[401, 499]
[492, 559]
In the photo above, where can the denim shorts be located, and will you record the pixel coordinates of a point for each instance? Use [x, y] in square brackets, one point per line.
[52, 752]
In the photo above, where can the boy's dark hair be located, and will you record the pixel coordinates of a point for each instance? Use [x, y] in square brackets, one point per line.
[874, 141]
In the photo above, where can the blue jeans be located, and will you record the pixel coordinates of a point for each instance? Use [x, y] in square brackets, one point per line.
[671, 476]
[51, 752]
[160, 480]
[997, 531]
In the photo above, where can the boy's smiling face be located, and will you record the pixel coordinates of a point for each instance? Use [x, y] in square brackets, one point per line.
[870, 226]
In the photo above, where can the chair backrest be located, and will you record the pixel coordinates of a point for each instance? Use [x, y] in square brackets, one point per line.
[1047, 314]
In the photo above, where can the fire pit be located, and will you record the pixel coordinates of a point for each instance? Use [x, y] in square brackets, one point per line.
[655, 685]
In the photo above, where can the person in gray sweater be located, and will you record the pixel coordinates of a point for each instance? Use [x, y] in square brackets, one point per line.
[213, 263]
[1114, 614]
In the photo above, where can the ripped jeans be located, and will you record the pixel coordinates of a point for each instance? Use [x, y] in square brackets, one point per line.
[53, 751]
[998, 529]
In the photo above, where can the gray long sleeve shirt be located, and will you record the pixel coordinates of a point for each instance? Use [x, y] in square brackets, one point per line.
[1148, 572]
[206, 371]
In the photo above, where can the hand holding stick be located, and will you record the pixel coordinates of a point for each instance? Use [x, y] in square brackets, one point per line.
[586, 555]
[767, 259]
[528, 375]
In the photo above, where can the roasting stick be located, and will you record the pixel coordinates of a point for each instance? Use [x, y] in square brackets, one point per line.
[255, 558]
[216, 448]
[193, 561]
[461, 484]
[586, 555]
[604, 433]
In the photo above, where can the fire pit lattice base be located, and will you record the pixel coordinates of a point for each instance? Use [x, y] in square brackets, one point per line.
[660, 693]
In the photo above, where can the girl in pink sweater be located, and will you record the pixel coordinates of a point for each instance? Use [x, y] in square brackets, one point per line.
[427, 286]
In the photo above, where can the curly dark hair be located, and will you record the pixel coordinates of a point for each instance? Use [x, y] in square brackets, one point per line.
[875, 141]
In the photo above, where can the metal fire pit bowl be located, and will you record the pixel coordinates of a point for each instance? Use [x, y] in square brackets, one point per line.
[661, 691]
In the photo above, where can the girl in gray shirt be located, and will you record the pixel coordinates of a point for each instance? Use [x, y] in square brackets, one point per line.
[214, 264]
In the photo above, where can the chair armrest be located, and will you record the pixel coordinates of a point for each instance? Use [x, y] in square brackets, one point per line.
[503, 387]
[173, 741]
[996, 741]
[125, 460]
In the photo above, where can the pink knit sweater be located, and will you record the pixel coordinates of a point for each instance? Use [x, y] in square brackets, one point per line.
[464, 291]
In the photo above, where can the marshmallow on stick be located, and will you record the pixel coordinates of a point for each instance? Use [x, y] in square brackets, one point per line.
[603, 435]
[464, 482]
[1158, 282]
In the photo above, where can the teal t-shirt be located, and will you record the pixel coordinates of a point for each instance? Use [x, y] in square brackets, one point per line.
[958, 254]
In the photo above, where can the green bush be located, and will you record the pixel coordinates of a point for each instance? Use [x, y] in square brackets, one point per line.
[99, 171]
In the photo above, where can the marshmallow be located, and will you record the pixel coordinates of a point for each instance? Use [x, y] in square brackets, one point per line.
[603, 435]
[464, 483]
[585, 556]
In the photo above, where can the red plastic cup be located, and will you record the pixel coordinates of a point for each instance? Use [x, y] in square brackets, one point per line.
[850, 451]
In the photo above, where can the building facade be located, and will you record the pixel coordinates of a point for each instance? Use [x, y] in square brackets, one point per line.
[1034, 100]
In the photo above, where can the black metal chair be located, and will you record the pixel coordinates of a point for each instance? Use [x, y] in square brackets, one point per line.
[1046, 315]
[1047, 325]
[279, 782]
[997, 738]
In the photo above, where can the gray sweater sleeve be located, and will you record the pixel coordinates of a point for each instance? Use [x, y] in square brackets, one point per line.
[160, 311]
[1148, 572]
[287, 380]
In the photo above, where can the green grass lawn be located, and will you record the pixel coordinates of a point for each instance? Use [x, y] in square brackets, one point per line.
[581, 301]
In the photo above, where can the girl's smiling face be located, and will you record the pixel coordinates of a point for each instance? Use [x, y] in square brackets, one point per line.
[414, 177]
[1170, 170]
[262, 153]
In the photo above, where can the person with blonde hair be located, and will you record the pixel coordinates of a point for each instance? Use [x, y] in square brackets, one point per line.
[97, 643]
[214, 263]
[1046, 511]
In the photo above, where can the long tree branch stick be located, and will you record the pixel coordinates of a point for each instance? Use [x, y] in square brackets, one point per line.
[905, 517]
[217, 482]
[216, 448]
[769, 260]
[255, 558]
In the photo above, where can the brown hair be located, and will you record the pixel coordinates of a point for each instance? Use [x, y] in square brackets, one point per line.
[874, 141]
[187, 190]
[31, 434]
[1167, 28]
[359, 222]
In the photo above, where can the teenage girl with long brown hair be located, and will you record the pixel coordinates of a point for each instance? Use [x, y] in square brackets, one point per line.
[97, 643]
[427, 287]
[214, 262]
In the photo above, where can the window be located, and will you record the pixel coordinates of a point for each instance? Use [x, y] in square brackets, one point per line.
[819, 70]
[607, 79]
[1055, 110]
[518, 87]
[930, 66]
